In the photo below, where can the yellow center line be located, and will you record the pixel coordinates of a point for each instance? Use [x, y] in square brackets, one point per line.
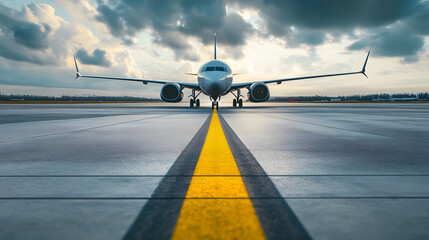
[210, 218]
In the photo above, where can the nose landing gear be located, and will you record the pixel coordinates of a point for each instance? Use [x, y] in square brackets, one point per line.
[194, 99]
[215, 104]
[237, 100]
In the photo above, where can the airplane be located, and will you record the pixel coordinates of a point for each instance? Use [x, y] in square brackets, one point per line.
[215, 79]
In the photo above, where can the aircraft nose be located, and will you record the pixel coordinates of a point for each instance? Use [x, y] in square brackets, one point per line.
[214, 85]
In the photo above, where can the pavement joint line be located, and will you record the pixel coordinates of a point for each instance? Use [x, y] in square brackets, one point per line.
[177, 176]
[82, 129]
[94, 115]
[211, 198]
[337, 128]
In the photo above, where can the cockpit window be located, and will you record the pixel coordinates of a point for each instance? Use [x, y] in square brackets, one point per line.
[221, 69]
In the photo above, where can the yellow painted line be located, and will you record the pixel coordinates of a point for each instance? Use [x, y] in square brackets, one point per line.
[209, 218]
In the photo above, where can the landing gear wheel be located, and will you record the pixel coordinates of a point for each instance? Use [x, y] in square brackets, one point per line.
[217, 105]
[234, 102]
[240, 103]
[191, 103]
[197, 103]
[213, 105]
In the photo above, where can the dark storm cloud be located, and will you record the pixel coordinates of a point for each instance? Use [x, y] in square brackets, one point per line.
[97, 58]
[112, 20]
[234, 31]
[25, 33]
[419, 21]
[397, 42]
[315, 18]
[333, 14]
[310, 22]
[174, 22]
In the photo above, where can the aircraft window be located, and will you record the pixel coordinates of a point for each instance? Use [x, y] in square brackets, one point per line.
[222, 69]
[210, 69]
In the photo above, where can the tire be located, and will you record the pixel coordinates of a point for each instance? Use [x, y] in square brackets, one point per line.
[213, 105]
[191, 103]
[217, 105]
[234, 102]
[197, 103]
[240, 103]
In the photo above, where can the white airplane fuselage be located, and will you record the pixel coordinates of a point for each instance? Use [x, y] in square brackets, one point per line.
[215, 79]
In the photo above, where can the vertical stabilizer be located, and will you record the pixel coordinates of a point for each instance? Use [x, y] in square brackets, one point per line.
[215, 46]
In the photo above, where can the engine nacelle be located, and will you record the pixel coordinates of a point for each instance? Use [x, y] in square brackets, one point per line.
[258, 92]
[171, 92]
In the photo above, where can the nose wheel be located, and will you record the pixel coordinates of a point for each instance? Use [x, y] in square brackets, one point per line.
[237, 101]
[215, 105]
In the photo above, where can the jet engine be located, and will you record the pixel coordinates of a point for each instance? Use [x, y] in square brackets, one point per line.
[258, 92]
[171, 92]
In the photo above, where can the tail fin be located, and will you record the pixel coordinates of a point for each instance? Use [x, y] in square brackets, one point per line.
[215, 46]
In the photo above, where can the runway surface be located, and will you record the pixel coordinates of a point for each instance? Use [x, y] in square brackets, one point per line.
[160, 171]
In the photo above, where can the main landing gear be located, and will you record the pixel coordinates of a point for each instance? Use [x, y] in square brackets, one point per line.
[194, 99]
[237, 100]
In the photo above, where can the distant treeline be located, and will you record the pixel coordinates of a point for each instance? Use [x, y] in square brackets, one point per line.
[369, 97]
[15, 97]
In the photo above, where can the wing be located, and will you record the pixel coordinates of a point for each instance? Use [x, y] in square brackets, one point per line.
[279, 81]
[144, 81]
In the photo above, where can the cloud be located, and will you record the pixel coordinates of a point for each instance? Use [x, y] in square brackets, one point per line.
[234, 31]
[391, 42]
[25, 33]
[36, 35]
[395, 29]
[98, 57]
[310, 23]
[174, 23]
[114, 22]
[331, 14]
[20, 38]
[419, 21]
[130, 65]
[178, 42]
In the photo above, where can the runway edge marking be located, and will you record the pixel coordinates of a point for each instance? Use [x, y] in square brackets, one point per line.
[212, 209]
[158, 217]
[277, 218]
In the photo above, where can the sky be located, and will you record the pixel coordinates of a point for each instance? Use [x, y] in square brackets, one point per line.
[164, 39]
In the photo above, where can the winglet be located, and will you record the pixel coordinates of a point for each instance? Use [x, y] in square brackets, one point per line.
[364, 65]
[215, 46]
[77, 69]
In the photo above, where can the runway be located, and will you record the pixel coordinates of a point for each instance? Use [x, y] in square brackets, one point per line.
[160, 171]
